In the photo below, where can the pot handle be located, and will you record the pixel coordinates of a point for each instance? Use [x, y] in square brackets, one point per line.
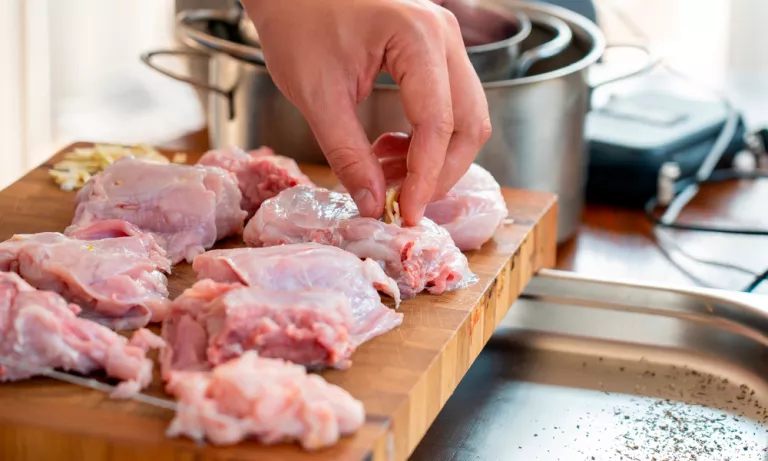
[651, 61]
[194, 37]
[563, 37]
[147, 57]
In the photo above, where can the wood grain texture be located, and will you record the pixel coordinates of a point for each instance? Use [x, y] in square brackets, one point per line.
[403, 378]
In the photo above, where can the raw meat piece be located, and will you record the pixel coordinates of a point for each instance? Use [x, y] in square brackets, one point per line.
[268, 399]
[118, 279]
[417, 257]
[40, 330]
[306, 266]
[146, 340]
[186, 208]
[219, 321]
[471, 211]
[260, 173]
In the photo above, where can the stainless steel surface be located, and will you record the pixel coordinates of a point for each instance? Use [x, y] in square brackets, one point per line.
[492, 38]
[562, 38]
[189, 32]
[585, 369]
[538, 120]
[149, 59]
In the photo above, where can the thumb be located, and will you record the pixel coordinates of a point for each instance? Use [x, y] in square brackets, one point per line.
[349, 153]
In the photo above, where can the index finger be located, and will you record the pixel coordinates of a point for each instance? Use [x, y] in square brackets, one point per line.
[422, 74]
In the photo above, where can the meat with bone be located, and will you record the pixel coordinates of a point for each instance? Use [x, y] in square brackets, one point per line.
[260, 173]
[211, 323]
[267, 399]
[304, 267]
[117, 274]
[418, 257]
[471, 211]
[186, 208]
[39, 330]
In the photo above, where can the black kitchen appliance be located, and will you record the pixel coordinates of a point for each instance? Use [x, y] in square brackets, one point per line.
[632, 136]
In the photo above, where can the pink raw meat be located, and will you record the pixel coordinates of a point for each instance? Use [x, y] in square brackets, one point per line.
[119, 277]
[40, 331]
[471, 211]
[307, 266]
[260, 173]
[186, 208]
[213, 322]
[270, 400]
[417, 257]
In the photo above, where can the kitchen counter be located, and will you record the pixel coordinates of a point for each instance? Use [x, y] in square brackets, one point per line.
[614, 242]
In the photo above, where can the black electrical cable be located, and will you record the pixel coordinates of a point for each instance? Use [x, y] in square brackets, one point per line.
[704, 175]
[757, 282]
[715, 177]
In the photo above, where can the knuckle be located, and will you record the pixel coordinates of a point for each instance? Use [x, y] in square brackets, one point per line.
[344, 160]
[443, 123]
[451, 22]
[485, 130]
[423, 20]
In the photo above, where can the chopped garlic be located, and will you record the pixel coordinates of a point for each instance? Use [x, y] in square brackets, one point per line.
[79, 165]
[179, 157]
[392, 208]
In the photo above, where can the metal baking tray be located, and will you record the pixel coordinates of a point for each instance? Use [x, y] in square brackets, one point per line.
[586, 369]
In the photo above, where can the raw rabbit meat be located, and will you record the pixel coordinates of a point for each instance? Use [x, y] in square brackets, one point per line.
[211, 323]
[260, 173]
[471, 211]
[270, 400]
[307, 266]
[40, 330]
[117, 274]
[186, 208]
[418, 257]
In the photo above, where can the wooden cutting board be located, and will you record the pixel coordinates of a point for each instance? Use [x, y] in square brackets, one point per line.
[403, 378]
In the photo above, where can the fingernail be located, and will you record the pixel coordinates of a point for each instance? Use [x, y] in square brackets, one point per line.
[366, 204]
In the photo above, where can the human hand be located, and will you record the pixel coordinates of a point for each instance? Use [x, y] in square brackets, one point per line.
[325, 55]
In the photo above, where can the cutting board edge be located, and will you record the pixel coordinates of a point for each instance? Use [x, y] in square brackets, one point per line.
[537, 250]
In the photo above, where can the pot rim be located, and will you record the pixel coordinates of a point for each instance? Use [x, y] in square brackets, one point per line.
[519, 19]
[524, 30]
[584, 28]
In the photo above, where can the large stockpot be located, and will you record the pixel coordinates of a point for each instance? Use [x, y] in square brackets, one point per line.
[538, 120]
[492, 35]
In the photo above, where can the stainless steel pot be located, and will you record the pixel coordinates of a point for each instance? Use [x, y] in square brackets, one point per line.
[538, 120]
[492, 35]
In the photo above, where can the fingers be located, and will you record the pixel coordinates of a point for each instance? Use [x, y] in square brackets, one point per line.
[471, 121]
[422, 75]
[335, 124]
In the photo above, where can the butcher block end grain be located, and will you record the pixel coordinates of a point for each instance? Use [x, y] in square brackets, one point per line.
[403, 377]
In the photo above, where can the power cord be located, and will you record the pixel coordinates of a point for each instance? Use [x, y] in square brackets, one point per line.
[676, 194]
[685, 184]
[757, 282]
